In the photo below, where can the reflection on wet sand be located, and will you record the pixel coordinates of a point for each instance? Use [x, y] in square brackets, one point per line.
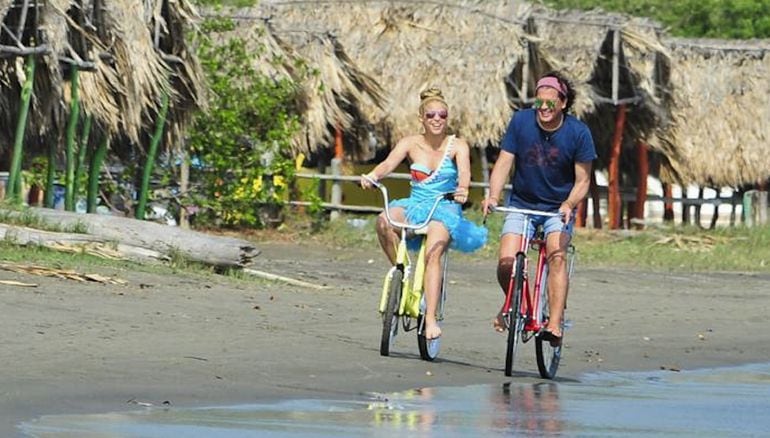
[528, 408]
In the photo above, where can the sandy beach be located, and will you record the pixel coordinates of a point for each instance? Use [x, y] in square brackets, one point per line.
[188, 340]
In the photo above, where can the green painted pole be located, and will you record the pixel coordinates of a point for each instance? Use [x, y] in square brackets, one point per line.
[151, 153]
[14, 177]
[50, 176]
[69, 179]
[94, 169]
[81, 158]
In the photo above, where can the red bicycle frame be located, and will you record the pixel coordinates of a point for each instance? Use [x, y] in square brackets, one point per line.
[530, 301]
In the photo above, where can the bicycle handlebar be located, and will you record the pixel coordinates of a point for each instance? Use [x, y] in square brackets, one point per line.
[499, 209]
[448, 196]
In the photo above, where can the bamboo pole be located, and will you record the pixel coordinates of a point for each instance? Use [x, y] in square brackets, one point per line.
[94, 169]
[69, 178]
[613, 198]
[160, 124]
[14, 176]
[81, 158]
[50, 176]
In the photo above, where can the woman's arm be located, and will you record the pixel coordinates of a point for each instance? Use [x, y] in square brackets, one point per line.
[395, 157]
[463, 161]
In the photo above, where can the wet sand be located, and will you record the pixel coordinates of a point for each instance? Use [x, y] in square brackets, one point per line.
[186, 340]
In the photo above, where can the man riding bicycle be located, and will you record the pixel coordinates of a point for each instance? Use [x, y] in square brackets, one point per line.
[551, 153]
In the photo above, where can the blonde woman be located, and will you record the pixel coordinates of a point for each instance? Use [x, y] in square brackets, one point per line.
[438, 163]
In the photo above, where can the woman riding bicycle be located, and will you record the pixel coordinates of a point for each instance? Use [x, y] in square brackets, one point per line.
[439, 163]
[551, 153]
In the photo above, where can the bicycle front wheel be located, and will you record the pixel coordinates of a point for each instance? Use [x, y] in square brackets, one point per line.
[515, 317]
[390, 316]
[548, 356]
[429, 348]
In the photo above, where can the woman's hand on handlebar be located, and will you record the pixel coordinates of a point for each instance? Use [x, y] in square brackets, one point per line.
[368, 181]
[461, 195]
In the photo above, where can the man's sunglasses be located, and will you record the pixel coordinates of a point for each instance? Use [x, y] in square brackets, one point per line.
[431, 114]
[549, 103]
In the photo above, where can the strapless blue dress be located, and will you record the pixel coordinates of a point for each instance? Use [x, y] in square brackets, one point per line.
[426, 185]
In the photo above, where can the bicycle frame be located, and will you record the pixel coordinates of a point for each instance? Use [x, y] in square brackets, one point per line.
[403, 260]
[531, 303]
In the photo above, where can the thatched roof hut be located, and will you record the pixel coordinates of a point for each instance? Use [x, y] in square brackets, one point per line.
[719, 135]
[128, 61]
[331, 89]
[408, 46]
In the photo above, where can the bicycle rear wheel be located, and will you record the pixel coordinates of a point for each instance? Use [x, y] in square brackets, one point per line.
[390, 316]
[548, 356]
[515, 318]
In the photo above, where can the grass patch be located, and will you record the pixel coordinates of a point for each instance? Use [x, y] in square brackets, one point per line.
[673, 248]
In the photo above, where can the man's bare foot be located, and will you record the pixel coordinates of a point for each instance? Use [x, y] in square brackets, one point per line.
[556, 331]
[432, 330]
[498, 323]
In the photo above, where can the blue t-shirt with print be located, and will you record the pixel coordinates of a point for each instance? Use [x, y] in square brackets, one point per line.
[544, 168]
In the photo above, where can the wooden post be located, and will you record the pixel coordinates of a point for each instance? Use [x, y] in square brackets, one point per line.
[668, 204]
[94, 170]
[596, 201]
[484, 169]
[580, 214]
[613, 197]
[641, 184]
[184, 186]
[336, 164]
[685, 207]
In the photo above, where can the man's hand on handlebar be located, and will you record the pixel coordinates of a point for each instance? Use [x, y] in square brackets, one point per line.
[487, 205]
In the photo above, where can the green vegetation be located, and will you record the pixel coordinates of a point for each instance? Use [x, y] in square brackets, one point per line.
[732, 19]
[243, 142]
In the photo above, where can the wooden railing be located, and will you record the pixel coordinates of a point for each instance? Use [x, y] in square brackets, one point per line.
[753, 204]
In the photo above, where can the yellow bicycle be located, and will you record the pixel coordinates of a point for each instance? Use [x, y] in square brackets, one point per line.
[402, 291]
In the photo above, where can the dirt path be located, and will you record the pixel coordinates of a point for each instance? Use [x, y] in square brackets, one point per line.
[71, 347]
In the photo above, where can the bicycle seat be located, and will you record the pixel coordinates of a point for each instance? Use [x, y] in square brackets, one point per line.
[420, 231]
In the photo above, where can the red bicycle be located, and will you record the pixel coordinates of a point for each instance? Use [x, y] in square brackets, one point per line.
[525, 311]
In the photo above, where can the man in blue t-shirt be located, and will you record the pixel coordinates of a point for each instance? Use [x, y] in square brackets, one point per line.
[551, 154]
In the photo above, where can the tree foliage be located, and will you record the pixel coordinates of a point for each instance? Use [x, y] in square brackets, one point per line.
[240, 147]
[731, 19]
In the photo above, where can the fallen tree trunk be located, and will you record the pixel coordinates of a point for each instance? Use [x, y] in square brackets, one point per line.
[141, 236]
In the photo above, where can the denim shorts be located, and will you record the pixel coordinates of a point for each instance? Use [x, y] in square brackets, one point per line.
[514, 223]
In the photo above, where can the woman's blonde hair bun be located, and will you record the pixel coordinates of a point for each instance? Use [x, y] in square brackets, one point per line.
[431, 94]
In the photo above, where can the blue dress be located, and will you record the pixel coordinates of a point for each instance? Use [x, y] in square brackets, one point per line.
[466, 235]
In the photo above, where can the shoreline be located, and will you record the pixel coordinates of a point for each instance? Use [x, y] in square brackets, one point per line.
[190, 340]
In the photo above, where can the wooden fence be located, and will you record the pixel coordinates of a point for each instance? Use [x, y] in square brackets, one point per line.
[754, 202]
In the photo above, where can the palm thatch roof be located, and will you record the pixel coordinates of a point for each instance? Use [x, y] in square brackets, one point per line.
[128, 61]
[407, 46]
[612, 60]
[718, 135]
[331, 89]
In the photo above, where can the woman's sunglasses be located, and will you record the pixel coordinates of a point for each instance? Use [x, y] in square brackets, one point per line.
[549, 103]
[432, 114]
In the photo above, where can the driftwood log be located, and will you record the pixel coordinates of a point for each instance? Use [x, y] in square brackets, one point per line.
[137, 239]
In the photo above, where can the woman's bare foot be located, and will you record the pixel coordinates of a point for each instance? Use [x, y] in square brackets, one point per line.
[432, 330]
[498, 323]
